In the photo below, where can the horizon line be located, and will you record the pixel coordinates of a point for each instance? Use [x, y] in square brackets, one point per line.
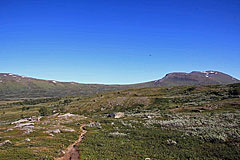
[100, 83]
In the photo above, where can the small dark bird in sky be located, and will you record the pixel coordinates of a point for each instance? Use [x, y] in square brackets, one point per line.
[150, 55]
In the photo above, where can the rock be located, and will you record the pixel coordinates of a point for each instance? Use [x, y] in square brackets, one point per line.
[95, 125]
[28, 131]
[119, 115]
[30, 119]
[24, 124]
[38, 127]
[51, 134]
[67, 115]
[63, 152]
[20, 121]
[28, 127]
[54, 115]
[68, 130]
[171, 142]
[116, 115]
[34, 118]
[118, 134]
[5, 142]
[55, 131]
[10, 129]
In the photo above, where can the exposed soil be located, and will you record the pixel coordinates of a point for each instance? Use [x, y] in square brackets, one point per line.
[72, 152]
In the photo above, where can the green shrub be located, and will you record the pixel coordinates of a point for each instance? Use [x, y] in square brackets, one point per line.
[44, 111]
[25, 108]
[234, 91]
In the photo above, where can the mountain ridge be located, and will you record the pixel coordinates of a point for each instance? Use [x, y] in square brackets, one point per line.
[18, 86]
[196, 78]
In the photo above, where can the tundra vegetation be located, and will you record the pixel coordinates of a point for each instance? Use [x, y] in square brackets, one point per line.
[185, 122]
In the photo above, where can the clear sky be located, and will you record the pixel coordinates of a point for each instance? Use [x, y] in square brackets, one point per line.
[118, 41]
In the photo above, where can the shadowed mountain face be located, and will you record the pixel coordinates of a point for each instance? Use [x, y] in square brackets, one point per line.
[16, 86]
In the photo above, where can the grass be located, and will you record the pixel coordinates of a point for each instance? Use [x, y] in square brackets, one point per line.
[201, 120]
[141, 142]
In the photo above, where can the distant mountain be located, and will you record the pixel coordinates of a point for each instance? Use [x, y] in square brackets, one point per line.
[15, 86]
[196, 78]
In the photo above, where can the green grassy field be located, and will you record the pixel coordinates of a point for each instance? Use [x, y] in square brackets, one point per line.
[133, 140]
[159, 123]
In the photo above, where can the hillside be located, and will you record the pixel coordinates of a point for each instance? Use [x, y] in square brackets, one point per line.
[196, 78]
[14, 86]
[190, 122]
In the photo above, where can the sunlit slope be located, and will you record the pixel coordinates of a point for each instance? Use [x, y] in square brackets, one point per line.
[16, 86]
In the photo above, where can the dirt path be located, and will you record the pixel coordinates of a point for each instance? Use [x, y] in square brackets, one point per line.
[72, 152]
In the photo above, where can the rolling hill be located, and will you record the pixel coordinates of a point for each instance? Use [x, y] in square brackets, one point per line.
[13, 86]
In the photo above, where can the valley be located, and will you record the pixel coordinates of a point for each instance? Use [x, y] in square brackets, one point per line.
[177, 122]
[119, 80]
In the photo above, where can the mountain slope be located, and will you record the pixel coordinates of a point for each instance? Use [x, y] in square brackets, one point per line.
[195, 78]
[16, 86]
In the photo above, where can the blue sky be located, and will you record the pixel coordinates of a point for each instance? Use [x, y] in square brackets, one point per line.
[118, 41]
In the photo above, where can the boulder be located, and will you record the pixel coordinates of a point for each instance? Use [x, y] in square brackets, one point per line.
[171, 142]
[5, 142]
[119, 115]
[51, 134]
[27, 139]
[116, 115]
[56, 131]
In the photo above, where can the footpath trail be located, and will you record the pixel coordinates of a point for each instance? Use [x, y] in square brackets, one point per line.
[72, 152]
